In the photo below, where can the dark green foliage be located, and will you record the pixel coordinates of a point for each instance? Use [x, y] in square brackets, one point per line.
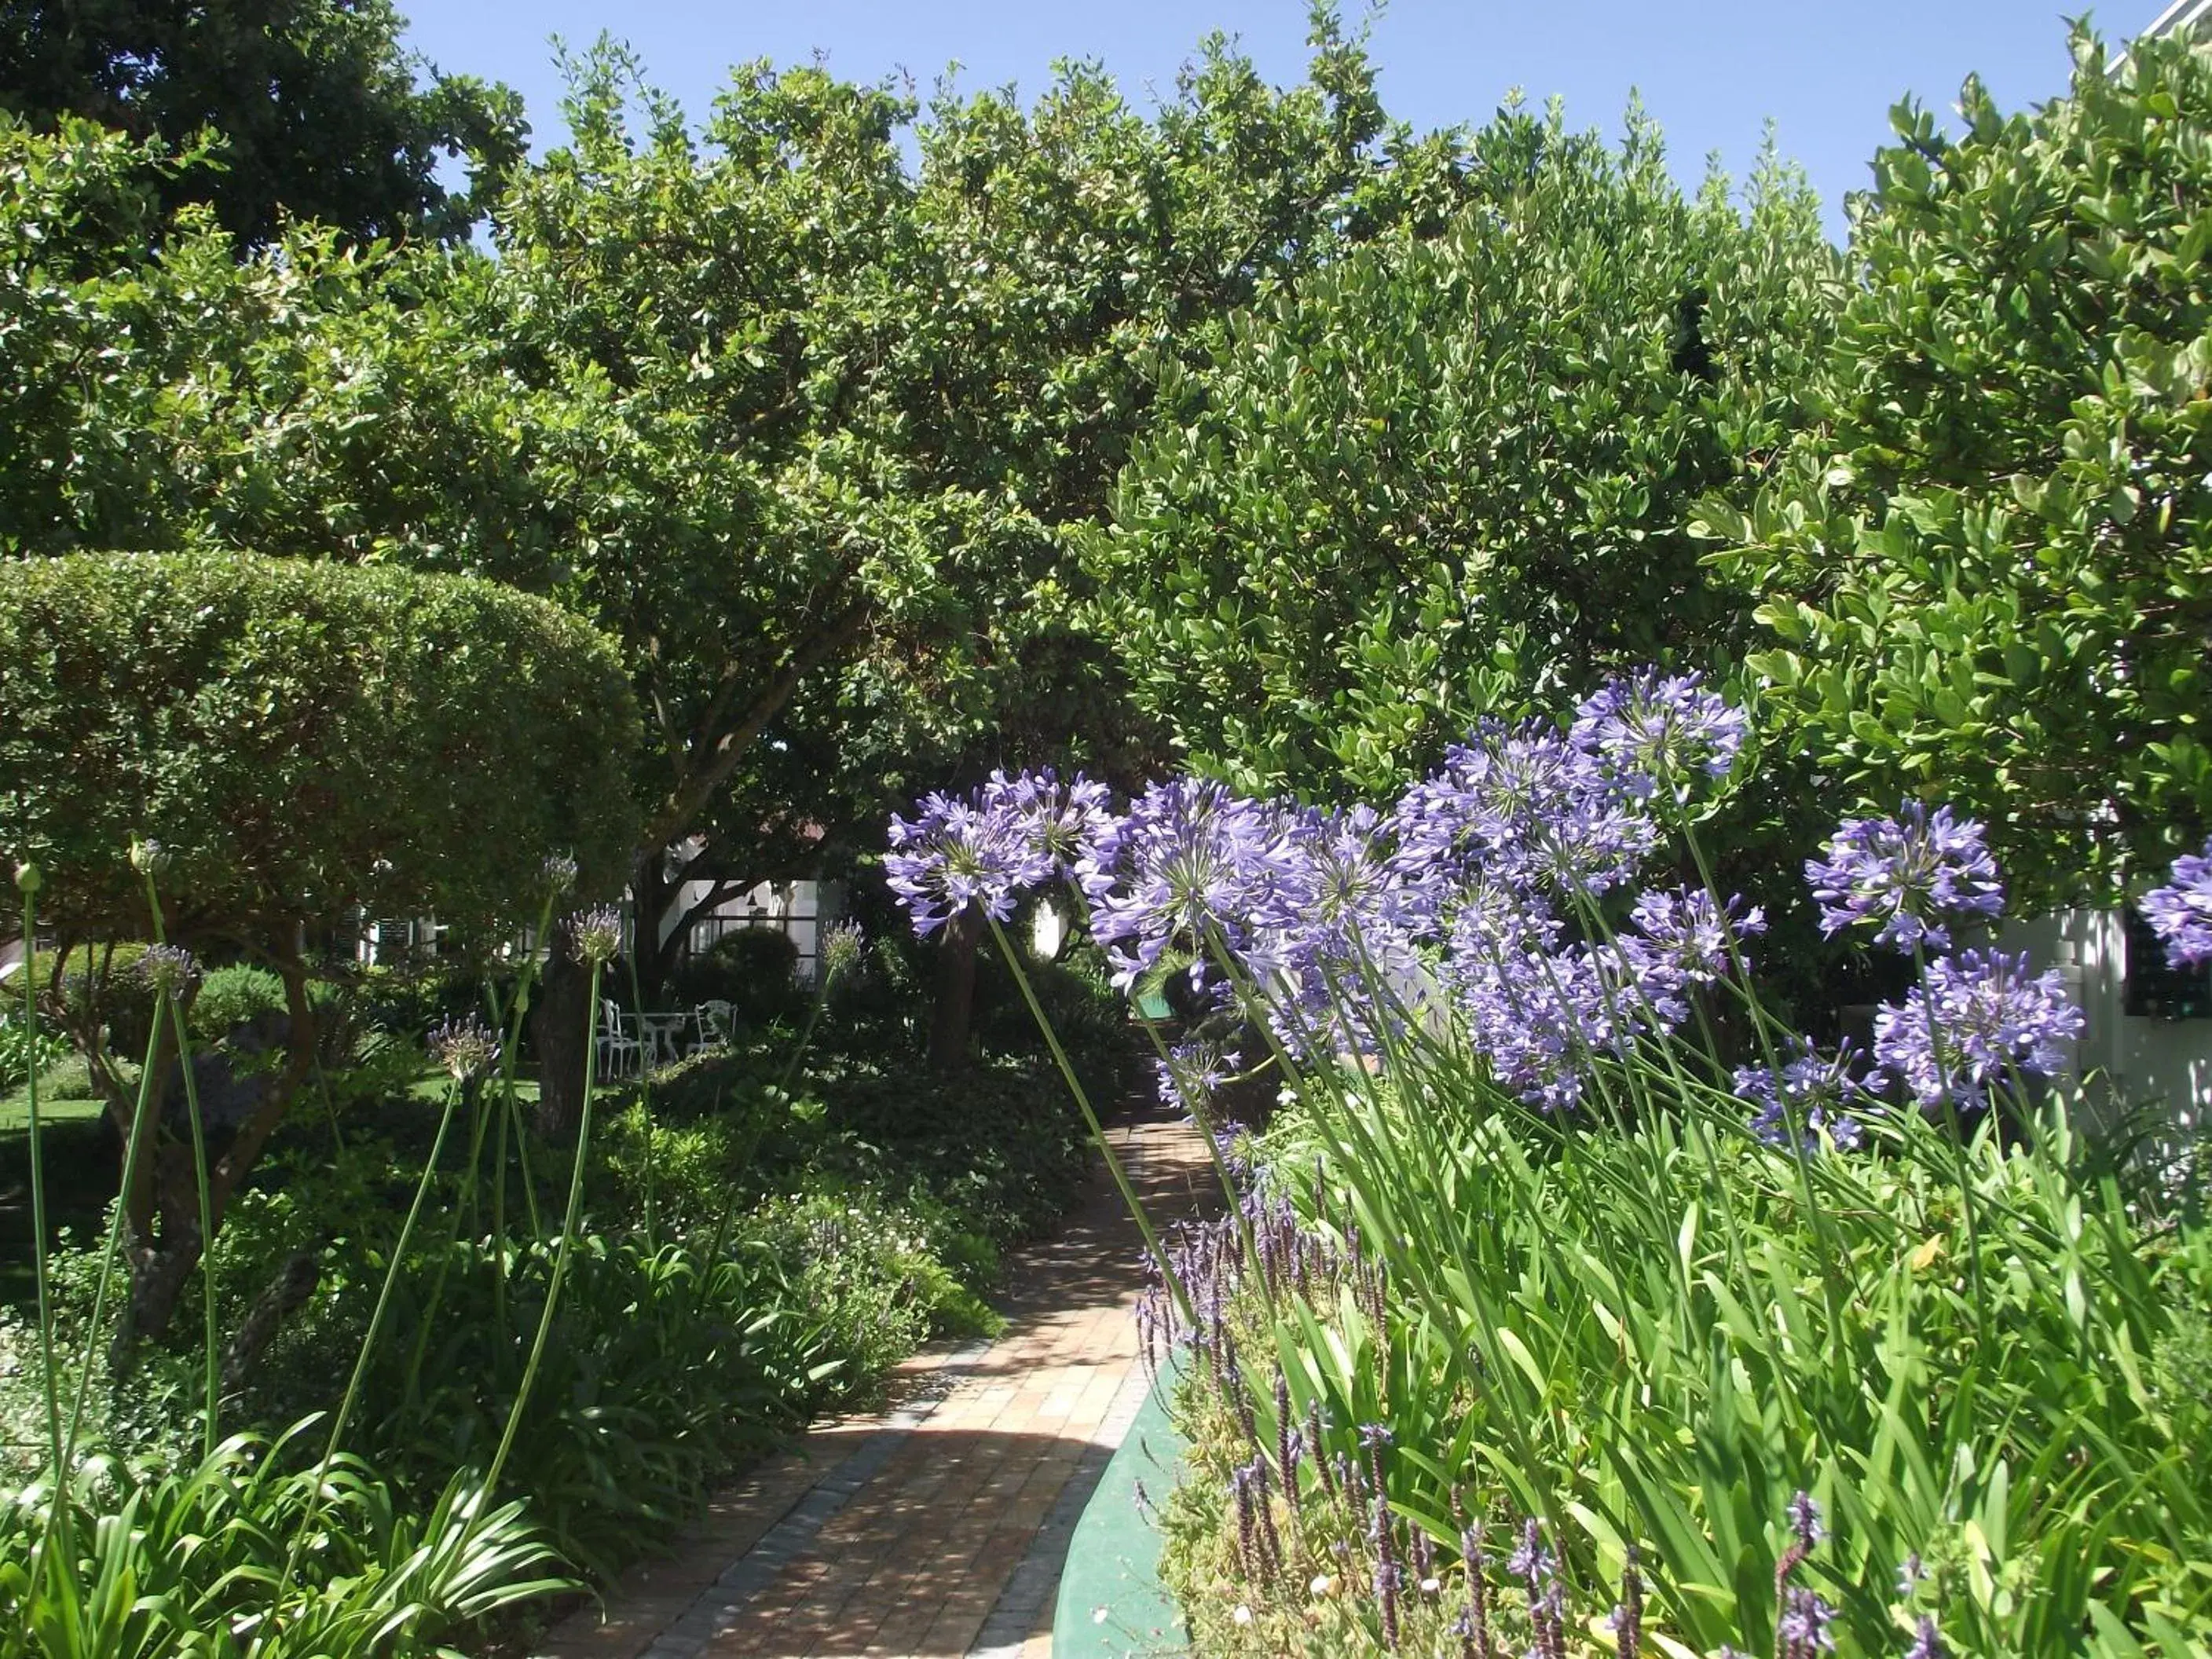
[1443, 476]
[231, 996]
[313, 108]
[1987, 568]
[754, 969]
[301, 737]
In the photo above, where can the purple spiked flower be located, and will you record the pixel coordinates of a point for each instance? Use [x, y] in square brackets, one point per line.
[1904, 873]
[958, 852]
[1974, 1017]
[2180, 913]
[1927, 1640]
[1820, 1094]
[1802, 1631]
[1649, 727]
[1196, 859]
[1805, 1520]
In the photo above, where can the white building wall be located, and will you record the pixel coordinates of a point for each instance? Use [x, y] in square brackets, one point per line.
[2139, 1061]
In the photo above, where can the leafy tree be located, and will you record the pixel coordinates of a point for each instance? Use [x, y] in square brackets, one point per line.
[1442, 476]
[300, 737]
[803, 426]
[314, 110]
[1987, 568]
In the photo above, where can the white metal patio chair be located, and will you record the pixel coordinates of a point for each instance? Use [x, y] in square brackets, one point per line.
[619, 1048]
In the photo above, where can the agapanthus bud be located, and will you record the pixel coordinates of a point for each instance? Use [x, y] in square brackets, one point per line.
[28, 879]
[167, 970]
[465, 1048]
[598, 934]
[559, 873]
[149, 857]
[842, 944]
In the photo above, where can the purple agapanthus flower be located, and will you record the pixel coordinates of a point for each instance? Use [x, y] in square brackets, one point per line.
[1822, 1094]
[1192, 1071]
[1524, 806]
[960, 852]
[1194, 864]
[1335, 919]
[1975, 1017]
[1650, 729]
[1538, 1017]
[2180, 913]
[1903, 874]
[1678, 938]
[1066, 826]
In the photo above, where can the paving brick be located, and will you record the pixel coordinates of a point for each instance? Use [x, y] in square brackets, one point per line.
[938, 1523]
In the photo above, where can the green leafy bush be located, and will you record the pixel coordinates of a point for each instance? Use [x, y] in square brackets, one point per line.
[231, 996]
[1985, 568]
[301, 737]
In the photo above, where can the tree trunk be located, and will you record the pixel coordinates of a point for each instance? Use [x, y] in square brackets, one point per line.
[558, 1011]
[956, 991]
[167, 1188]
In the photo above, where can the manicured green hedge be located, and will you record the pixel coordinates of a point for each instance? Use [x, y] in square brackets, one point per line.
[302, 736]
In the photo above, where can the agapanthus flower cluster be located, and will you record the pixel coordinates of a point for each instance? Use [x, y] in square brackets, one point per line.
[1063, 829]
[463, 1047]
[1192, 1071]
[1975, 1019]
[843, 944]
[167, 970]
[1526, 807]
[958, 852]
[598, 934]
[1196, 864]
[1653, 729]
[1903, 875]
[1821, 1096]
[2180, 913]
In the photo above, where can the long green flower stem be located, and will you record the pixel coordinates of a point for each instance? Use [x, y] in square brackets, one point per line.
[209, 1340]
[134, 1148]
[352, 1395]
[53, 1538]
[561, 1255]
[1956, 1138]
[30, 891]
[1091, 1119]
[644, 1100]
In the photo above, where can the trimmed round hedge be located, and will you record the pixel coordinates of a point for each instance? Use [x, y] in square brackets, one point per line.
[302, 736]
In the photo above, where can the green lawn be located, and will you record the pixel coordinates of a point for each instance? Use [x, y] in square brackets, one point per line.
[63, 1097]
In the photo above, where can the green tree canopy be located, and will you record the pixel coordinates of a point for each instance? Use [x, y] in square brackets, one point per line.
[1441, 477]
[302, 736]
[1986, 570]
[314, 111]
[801, 424]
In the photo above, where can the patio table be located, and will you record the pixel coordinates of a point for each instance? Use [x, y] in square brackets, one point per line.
[664, 1038]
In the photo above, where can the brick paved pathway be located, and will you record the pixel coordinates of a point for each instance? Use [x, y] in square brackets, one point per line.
[937, 1528]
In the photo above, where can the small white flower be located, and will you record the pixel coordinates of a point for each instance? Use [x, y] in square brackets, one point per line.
[1321, 1585]
[1431, 1586]
[1243, 1615]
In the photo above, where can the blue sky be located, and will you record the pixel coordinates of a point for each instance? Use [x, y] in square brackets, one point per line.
[1713, 72]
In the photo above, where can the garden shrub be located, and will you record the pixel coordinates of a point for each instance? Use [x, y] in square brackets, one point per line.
[301, 737]
[1982, 565]
[231, 996]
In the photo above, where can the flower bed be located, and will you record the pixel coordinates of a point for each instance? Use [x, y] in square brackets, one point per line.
[1572, 1300]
